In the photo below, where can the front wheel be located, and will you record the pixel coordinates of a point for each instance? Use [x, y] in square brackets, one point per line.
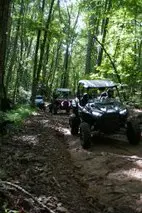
[85, 135]
[68, 110]
[133, 132]
[74, 124]
[55, 109]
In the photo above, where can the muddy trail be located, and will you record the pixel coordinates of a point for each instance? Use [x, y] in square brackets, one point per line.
[36, 159]
[46, 161]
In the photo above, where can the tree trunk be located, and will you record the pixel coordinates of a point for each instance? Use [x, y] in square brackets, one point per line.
[65, 79]
[36, 61]
[90, 45]
[44, 40]
[36, 79]
[108, 5]
[4, 15]
[88, 65]
[14, 50]
[35, 68]
[20, 58]
[55, 65]
[44, 69]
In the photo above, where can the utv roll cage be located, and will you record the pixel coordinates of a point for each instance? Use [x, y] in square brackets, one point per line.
[85, 85]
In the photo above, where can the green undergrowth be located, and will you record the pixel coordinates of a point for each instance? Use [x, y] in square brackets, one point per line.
[17, 115]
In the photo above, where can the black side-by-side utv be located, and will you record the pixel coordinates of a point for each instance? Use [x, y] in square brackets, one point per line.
[98, 108]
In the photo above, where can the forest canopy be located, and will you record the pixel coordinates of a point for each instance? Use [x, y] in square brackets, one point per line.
[55, 43]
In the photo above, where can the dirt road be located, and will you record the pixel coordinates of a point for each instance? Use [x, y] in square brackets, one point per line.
[112, 169]
[47, 161]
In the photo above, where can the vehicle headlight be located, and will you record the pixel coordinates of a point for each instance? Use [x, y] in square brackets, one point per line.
[116, 108]
[74, 104]
[97, 114]
[123, 112]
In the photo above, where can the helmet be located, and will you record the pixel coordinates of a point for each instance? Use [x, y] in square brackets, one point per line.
[85, 96]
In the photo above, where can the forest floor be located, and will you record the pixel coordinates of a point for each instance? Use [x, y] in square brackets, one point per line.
[56, 175]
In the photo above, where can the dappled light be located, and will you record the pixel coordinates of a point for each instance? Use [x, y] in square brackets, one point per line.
[70, 106]
[111, 166]
[65, 131]
[31, 139]
[39, 152]
[40, 164]
[133, 173]
[138, 163]
[46, 121]
[127, 175]
[35, 113]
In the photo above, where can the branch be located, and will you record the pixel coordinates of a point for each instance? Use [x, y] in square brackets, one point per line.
[26, 193]
[111, 61]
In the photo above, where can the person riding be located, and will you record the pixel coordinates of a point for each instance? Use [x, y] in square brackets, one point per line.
[53, 101]
[84, 99]
[107, 94]
[110, 93]
[103, 93]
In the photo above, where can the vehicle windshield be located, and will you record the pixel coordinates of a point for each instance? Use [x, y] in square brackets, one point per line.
[103, 101]
[39, 97]
[63, 94]
[97, 103]
[111, 92]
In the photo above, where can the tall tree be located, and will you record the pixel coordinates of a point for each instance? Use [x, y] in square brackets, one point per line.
[42, 50]
[4, 15]
[14, 48]
[70, 23]
[105, 21]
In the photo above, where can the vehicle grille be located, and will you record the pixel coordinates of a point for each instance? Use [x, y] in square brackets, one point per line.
[109, 122]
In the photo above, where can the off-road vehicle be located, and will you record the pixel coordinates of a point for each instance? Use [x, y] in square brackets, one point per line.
[39, 102]
[99, 109]
[61, 100]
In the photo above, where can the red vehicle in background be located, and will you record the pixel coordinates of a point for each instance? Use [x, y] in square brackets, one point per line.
[61, 100]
